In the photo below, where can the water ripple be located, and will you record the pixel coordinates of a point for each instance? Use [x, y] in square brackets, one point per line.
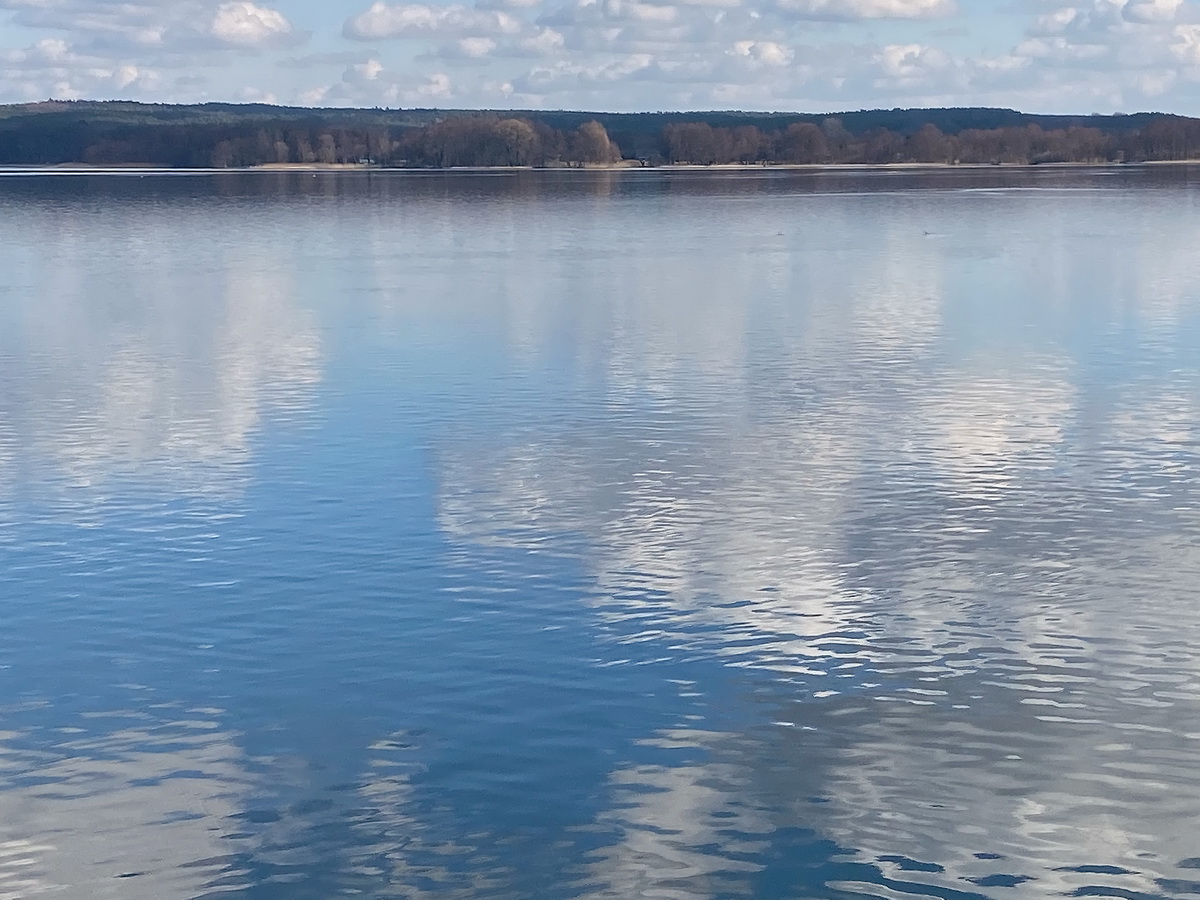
[531, 536]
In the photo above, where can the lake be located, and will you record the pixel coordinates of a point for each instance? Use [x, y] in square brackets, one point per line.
[605, 534]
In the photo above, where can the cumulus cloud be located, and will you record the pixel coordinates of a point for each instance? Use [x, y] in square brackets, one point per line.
[1132, 46]
[176, 26]
[1146, 11]
[244, 24]
[1069, 56]
[372, 82]
[113, 49]
[310, 60]
[368, 71]
[468, 48]
[811, 54]
[382, 21]
[1186, 44]
[507, 4]
[104, 21]
[436, 87]
[1054, 22]
[869, 9]
[909, 60]
[69, 75]
[767, 52]
[550, 78]
[546, 42]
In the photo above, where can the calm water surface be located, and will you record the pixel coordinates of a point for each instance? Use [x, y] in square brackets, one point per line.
[672, 535]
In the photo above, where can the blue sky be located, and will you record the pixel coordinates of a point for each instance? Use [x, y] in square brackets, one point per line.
[811, 55]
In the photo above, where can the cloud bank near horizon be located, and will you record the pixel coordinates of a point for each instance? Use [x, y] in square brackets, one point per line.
[620, 55]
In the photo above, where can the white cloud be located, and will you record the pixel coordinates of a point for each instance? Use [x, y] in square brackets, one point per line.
[52, 66]
[175, 26]
[767, 52]
[715, 4]
[869, 9]
[364, 72]
[120, 48]
[382, 22]
[436, 87]
[1146, 11]
[1186, 44]
[546, 42]
[1112, 53]
[550, 78]
[508, 4]
[709, 52]
[391, 88]
[1061, 50]
[314, 96]
[645, 12]
[906, 60]
[1055, 22]
[476, 47]
[247, 25]
[1081, 56]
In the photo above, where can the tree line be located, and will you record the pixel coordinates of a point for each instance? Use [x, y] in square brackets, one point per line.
[529, 139]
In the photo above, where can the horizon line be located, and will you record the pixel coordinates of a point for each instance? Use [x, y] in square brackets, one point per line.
[599, 112]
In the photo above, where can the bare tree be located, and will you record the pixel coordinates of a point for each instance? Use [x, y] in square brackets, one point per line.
[930, 145]
[222, 155]
[590, 144]
[803, 143]
[326, 148]
[519, 139]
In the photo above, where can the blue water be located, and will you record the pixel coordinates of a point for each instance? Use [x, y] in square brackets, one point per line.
[600, 534]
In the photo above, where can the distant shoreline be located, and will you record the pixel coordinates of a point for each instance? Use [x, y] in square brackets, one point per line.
[113, 136]
[625, 166]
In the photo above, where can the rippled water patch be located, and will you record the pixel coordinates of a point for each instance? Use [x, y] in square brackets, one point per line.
[599, 534]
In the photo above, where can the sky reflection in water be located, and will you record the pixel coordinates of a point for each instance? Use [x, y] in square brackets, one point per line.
[600, 534]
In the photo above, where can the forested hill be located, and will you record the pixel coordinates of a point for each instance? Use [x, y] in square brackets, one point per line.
[220, 134]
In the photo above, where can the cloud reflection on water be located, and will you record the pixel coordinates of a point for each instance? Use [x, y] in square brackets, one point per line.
[131, 813]
[672, 817]
[140, 375]
[812, 447]
[894, 531]
[169, 381]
